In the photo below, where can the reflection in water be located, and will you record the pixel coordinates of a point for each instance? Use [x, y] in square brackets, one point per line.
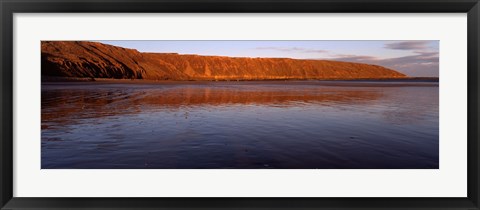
[69, 104]
[307, 124]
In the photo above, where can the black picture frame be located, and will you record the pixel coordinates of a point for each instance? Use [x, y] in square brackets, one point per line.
[9, 7]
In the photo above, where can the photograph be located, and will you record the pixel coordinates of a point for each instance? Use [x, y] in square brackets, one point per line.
[240, 104]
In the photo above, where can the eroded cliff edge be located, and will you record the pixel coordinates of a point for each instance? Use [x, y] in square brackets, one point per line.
[97, 60]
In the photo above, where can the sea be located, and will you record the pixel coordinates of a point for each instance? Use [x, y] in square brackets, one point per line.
[240, 125]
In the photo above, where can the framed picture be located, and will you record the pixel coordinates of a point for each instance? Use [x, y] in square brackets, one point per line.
[239, 105]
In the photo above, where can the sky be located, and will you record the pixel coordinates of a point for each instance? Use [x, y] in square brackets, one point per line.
[416, 58]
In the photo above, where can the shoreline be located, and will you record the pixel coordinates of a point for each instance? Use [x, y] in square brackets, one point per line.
[345, 83]
[95, 80]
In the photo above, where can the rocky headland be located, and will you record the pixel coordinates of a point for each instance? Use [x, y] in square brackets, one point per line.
[82, 59]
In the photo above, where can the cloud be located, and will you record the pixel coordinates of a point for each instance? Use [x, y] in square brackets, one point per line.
[356, 58]
[293, 49]
[408, 45]
[423, 64]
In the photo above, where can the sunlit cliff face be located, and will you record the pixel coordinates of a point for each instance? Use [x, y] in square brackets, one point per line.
[90, 59]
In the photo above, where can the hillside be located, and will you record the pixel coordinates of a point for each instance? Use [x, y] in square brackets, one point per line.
[97, 60]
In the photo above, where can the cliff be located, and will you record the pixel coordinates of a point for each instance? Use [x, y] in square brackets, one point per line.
[92, 59]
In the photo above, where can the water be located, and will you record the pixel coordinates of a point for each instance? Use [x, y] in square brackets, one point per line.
[240, 125]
